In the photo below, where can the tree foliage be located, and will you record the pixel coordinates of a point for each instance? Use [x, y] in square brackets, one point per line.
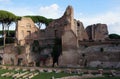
[39, 20]
[114, 36]
[11, 33]
[9, 37]
[6, 19]
[8, 40]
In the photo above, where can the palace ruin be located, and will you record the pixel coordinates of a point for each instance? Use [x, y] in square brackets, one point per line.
[80, 46]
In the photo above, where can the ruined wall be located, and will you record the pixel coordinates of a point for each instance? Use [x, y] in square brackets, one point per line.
[58, 26]
[69, 19]
[106, 55]
[65, 29]
[11, 55]
[97, 32]
[81, 32]
[69, 40]
[26, 31]
[69, 55]
[70, 31]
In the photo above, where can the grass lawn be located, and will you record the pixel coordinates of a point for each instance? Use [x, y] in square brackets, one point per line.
[3, 71]
[46, 75]
[42, 75]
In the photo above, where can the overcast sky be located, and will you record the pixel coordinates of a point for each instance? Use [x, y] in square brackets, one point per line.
[87, 11]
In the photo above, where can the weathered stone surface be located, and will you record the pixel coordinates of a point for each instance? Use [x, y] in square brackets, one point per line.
[69, 59]
[77, 47]
[108, 57]
[59, 26]
[81, 32]
[97, 32]
[26, 31]
[11, 55]
[69, 40]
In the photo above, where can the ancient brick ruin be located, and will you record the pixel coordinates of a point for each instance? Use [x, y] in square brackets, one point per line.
[80, 46]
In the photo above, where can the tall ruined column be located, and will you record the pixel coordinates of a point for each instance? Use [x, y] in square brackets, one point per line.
[69, 55]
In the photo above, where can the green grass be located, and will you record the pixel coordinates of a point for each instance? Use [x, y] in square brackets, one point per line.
[46, 75]
[4, 71]
[42, 75]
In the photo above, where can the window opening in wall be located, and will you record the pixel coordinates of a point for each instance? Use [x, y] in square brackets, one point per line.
[28, 34]
[101, 49]
[19, 61]
[83, 55]
[78, 24]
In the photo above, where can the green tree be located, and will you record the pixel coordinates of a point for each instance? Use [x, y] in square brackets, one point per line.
[6, 19]
[10, 37]
[114, 36]
[15, 21]
[39, 20]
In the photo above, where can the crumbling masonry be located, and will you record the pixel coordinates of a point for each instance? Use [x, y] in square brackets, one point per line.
[80, 46]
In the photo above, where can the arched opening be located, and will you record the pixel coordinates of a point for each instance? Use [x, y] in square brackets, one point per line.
[19, 61]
